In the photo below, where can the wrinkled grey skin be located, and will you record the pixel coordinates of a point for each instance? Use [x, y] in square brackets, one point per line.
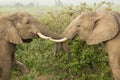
[95, 28]
[15, 29]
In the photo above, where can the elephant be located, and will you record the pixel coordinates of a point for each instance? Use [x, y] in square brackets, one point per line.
[95, 28]
[17, 28]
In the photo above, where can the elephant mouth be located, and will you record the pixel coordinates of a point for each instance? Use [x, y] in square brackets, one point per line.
[27, 40]
[75, 36]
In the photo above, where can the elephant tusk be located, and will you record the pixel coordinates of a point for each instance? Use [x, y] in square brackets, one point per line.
[42, 36]
[59, 40]
[54, 40]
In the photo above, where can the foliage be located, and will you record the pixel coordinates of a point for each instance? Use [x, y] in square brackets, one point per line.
[85, 63]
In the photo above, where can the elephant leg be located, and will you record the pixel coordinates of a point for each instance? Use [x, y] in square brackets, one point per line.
[23, 68]
[113, 49]
[115, 65]
[66, 48]
[6, 71]
[57, 49]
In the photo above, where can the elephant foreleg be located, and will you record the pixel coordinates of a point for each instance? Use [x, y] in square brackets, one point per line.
[115, 65]
[113, 49]
[6, 71]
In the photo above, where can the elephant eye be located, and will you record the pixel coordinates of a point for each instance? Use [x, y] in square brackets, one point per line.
[27, 22]
[78, 25]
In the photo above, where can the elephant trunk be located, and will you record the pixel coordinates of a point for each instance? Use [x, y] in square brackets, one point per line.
[59, 39]
[67, 34]
[45, 33]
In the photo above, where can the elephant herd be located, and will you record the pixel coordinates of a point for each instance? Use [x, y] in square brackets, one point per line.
[91, 27]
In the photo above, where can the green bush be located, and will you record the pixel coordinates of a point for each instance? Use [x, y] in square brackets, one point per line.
[85, 63]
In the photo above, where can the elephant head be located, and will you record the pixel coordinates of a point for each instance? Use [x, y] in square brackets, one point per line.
[14, 29]
[95, 28]
[92, 27]
[23, 27]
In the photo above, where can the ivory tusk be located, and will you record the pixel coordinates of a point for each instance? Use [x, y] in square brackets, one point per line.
[59, 40]
[42, 36]
[54, 40]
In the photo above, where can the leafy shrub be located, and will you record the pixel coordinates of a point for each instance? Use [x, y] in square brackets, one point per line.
[85, 63]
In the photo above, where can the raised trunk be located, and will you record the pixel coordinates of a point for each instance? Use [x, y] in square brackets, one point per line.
[46, 32]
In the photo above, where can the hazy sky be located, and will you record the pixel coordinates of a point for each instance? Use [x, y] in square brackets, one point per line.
[52, 2]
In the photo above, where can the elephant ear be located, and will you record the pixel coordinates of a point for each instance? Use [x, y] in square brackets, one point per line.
[8, 31]
[105, 28]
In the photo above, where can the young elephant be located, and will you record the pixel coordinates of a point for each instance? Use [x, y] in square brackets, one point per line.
[15, 29]
[95, 28]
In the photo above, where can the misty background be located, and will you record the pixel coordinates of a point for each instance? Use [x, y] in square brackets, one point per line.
[51, 2]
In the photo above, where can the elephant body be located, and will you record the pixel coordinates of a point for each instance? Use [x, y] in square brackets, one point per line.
[7, 59]
[9, 38]
[95, 28]
[112, 47]
[15, 29]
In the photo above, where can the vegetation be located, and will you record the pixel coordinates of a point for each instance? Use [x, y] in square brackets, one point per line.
[88, 62]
